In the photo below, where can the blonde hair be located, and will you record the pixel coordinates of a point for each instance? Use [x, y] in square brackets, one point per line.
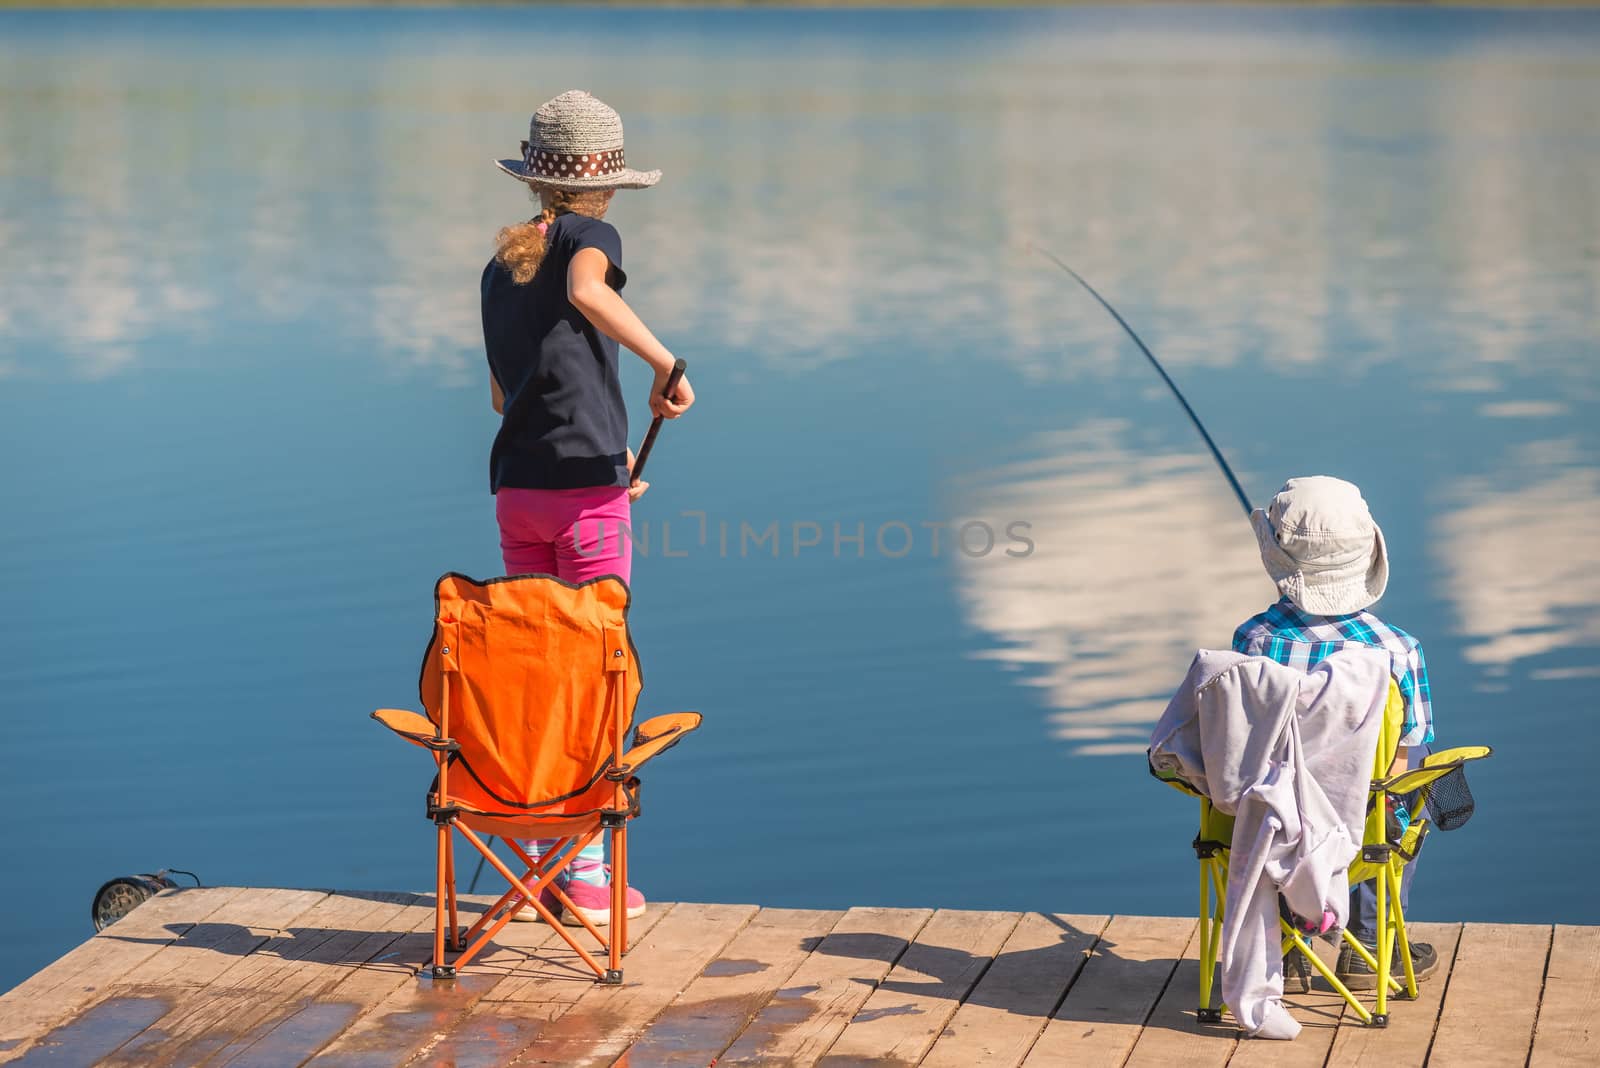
[520, 248]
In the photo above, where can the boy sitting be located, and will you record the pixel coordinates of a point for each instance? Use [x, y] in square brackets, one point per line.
[1327, 557]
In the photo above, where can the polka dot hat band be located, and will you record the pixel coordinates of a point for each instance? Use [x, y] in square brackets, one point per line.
[543, 163]
[575, 142]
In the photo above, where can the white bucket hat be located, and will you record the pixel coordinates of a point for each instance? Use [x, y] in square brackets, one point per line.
[575, 142]
[1321, 546]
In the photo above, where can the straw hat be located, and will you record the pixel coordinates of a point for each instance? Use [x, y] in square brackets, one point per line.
[575, 142]
[1321, 546]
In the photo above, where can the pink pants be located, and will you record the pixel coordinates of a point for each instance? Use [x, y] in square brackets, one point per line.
[575, 534]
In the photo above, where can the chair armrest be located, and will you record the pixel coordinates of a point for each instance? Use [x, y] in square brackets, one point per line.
[653, 737]
[1457, 756]
[1170, 777]
[1435, 766]
[414, 728]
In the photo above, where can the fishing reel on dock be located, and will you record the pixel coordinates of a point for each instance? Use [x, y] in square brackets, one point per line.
[125, 893]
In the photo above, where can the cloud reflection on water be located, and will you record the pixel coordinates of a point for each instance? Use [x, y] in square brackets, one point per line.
[1520, 561]
[799, 210]
[1140, 560]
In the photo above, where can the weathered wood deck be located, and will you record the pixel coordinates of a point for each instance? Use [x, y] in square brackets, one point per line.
[280, 977]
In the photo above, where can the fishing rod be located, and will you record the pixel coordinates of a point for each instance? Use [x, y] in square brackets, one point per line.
[667, 391]
[1216, 453]
[472, 888]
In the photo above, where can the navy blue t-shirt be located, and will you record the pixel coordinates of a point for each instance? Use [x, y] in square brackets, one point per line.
[565, 426]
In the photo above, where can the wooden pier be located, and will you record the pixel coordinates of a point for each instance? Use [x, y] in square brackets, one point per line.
[251, 977]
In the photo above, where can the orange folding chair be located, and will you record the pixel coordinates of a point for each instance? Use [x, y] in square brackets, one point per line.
[529, 684]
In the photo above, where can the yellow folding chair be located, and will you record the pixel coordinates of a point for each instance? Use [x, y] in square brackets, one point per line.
[529, 685]
[1384, 854]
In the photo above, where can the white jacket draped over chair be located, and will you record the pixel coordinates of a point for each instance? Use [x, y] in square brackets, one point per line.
[1288, 754]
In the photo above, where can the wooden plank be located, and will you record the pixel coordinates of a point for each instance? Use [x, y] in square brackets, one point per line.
[1004, 1015]
[271, 977]
[1102, 1015]
[420, 1009]
[803, 1019]
[1318, 1013]
[1411, 1023]
[82, 976]
[301, 1029]
[405, 1022]
[1493, 996]
[371, 945]
[710, 1013]
[557, 974]
[1567, 1032]
[909, 1010]
[510, 1016]
[176, 970]
[1172, 1035]
[215, 944]
[606, 1019]
[87, 1038]
[336, 933]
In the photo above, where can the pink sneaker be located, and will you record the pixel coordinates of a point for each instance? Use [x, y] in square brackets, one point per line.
[594, 902]
[546, 898]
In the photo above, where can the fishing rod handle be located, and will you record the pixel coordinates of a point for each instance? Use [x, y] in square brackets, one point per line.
[678, 367]
[667, 391]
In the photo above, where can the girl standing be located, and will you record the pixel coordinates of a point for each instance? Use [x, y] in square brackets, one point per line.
[552, 320]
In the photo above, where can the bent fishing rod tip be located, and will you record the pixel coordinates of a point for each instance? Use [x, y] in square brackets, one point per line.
[1216, 453]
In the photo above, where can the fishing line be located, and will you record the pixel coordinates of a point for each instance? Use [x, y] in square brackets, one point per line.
[1216, 453]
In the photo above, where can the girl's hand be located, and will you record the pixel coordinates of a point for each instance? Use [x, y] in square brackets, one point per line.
[635, 489]
[682, 397]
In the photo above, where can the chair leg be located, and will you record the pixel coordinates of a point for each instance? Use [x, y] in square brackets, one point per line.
[441, 970]
[455, 941]
[1309, 953]
[1206, 1013]
[619, 906]
[495, 920]
[561, 895]
[531, 877]
[530, 895]
[620, 875]
[1402, 940]
[1380, 1016]
[1371, 958]
[493, 910]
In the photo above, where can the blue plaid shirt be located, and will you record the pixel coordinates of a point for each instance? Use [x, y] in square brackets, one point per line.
[1291, 637]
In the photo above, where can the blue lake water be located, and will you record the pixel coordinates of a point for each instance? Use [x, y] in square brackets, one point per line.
[245, 423]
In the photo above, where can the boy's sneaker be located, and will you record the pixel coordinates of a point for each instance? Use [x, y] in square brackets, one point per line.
[1296, 973]
[1354, 973]
[594, 902]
